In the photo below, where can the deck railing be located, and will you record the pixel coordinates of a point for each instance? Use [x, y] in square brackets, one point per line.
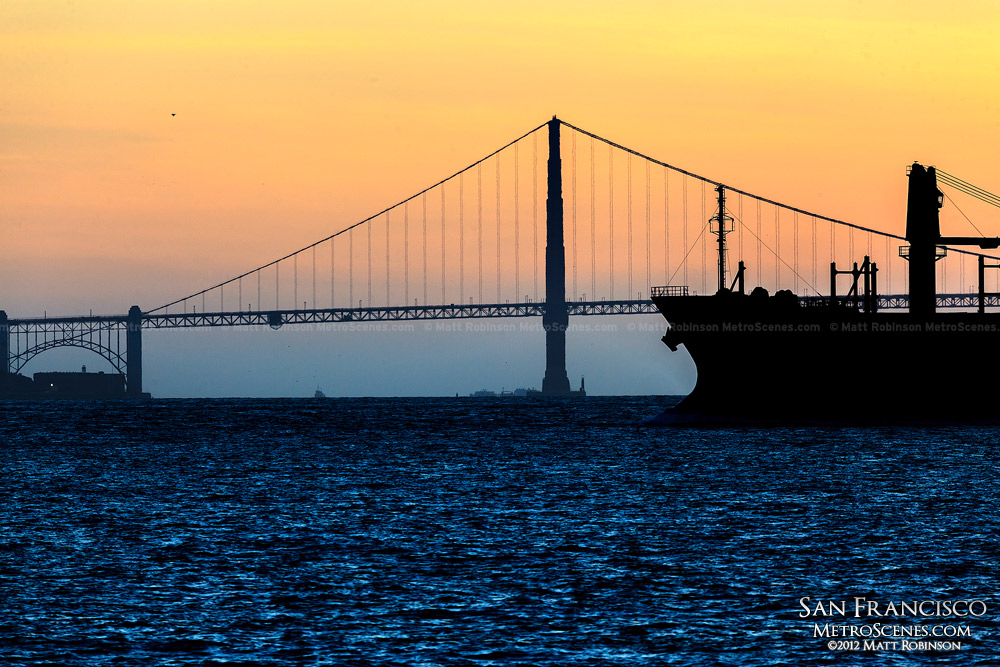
[669, 290]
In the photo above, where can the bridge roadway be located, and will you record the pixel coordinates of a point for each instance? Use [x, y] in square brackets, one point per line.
[276, 318]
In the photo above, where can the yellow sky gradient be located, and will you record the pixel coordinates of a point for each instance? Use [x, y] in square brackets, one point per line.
[295, 119]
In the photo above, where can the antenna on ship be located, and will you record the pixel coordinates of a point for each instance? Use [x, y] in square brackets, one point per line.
[723, 224]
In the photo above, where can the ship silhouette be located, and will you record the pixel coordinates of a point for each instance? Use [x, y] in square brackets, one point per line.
[782, 358]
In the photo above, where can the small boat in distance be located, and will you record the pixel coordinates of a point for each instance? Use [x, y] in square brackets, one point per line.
[319, 393]
[487, 393]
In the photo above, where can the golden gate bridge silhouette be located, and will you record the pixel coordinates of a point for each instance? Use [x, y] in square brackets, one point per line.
[478, 245]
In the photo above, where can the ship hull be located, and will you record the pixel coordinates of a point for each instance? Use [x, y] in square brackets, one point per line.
[772, 358]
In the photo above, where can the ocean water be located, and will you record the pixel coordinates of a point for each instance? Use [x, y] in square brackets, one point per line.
[480, 532]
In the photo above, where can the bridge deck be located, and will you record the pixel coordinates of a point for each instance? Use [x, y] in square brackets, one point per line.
[399, 313]
[338, 315]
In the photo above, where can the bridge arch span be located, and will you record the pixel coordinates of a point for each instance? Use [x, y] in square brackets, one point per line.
[112, 356]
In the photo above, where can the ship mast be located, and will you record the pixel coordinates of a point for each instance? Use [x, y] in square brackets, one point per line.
[723, 225]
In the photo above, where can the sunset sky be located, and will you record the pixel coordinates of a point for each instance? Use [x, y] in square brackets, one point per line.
[296, 119]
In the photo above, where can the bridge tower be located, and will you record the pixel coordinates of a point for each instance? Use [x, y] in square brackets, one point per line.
[556, 317]
[133, 353]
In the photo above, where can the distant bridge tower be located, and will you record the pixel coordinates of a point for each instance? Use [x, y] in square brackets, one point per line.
[133, 352]
[4, 345]
[556, 317]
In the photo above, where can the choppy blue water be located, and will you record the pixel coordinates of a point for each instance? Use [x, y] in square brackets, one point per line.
[475, 532]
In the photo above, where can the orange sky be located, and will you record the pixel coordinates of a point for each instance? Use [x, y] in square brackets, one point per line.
[297, 118]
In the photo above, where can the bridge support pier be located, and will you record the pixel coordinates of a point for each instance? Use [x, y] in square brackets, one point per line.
[555, 321]
[4, 344]
[133, 353]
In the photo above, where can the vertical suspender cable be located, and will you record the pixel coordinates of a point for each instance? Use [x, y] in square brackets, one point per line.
[684, 214]
[611, 220]
[815, 281]
[888, 268]
[777, 248]
[649, 277]
[961, 274]
[704, 240]
[423, 205]
[333, 275]
[534, 213]
[479, 223]
[573, 167]
[369, 226]
[593, 226]
[388, 264]
[443, 301]
[461, 237]
[833, 242]
[628, 221]
[739, 214]
[517, 229]
[666, 226]
[498, 228]
[406, 254]
[295, 281]
[795, 251]
[350, 268]
[314, 277]
[759, 242]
